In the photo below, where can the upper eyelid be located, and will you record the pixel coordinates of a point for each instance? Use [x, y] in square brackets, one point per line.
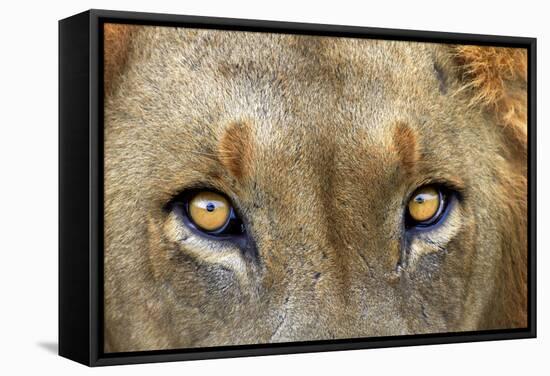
[455, 186]
[189, 190]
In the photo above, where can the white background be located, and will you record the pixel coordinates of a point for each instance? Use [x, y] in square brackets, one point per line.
[28, 189]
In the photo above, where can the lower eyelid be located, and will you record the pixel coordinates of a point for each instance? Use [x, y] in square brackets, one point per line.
[446, 230]
[178, 231]
[214, 252]
[435, 239]
[173, 229]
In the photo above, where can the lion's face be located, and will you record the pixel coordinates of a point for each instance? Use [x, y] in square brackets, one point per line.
[319, 145]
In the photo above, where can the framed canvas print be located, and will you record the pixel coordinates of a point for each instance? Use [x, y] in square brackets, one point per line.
[239, 187]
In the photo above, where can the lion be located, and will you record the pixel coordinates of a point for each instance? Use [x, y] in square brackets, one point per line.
[264, 188]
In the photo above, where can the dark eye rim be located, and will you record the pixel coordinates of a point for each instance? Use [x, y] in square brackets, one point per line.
[233, 229]
[446, 195]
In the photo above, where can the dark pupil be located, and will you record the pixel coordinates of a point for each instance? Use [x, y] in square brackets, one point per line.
[419, 200]
[210, 207]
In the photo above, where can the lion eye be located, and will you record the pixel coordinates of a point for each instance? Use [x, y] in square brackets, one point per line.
[209, 211]
[425, 206]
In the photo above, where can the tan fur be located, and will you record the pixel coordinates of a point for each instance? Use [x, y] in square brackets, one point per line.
[318, 142]
[498, 79]
[404, 141]
[116, 41]
[235, 149]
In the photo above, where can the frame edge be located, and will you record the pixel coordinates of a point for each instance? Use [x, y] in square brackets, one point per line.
[88, 351]
[74, 250]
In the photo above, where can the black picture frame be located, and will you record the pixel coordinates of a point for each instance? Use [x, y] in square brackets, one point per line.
[81, 187]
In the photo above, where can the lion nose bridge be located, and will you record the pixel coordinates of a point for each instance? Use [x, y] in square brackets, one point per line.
[301, 223]
[305, 272]
[303, 247]
[311, 294]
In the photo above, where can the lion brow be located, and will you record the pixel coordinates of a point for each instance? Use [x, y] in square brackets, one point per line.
[406, 146]
[235, 148]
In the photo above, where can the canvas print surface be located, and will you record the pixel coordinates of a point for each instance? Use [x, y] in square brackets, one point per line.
[265, 188]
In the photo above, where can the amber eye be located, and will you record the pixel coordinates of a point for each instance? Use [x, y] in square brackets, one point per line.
[425, 206]
[209, 211]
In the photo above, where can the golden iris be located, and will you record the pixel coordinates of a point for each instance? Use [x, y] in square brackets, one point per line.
[210, 211]
[424, 204]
